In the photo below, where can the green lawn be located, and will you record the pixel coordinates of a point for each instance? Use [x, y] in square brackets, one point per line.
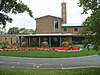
[17, 71]
[48, 54]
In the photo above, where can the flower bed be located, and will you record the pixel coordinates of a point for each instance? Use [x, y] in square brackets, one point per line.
[56, 49]
[10, 49]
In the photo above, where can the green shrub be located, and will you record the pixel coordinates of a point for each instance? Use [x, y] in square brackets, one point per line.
[4, 44]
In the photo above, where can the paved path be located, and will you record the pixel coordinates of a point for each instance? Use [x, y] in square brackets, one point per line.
[50, 63]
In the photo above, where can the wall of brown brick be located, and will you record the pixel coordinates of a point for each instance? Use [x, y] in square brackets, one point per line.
[45, 25]
[8, 38]
[71, 30]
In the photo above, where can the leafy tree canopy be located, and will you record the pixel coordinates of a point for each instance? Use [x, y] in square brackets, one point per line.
[16, 30]
[13, 7]
[2, 31]
[13, 30]
[91, 29]
[26, 31]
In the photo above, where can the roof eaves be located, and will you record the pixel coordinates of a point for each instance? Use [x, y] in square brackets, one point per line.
[47, 16]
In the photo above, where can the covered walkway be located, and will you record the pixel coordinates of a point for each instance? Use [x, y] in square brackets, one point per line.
[54, 40]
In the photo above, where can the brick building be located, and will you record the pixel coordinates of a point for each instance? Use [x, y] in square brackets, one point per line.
[50, 28]
[48, 25]
[53, 25]
[11, 39]
[54, 30]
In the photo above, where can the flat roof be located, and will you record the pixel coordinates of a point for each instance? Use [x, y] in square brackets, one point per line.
[8, 34]
[60, 34]
[68, 34]
[72, 24]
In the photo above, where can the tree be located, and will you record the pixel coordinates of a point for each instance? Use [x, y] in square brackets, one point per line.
[26, 31]
[30, 31]
[91, 29]
[13, 30]
[16, 30]
[2, 31]
[13, 7]
[22, 30]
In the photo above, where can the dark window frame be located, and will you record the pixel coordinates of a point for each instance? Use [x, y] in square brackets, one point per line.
[64, 29]
[56, 25]
[11, 40]
[76, 29]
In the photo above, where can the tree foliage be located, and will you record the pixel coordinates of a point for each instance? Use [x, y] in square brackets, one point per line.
[13, 7]
[16, 30]
[13, 30]
[22, 30]
[2, 31]
[26, 31]
[91, 29]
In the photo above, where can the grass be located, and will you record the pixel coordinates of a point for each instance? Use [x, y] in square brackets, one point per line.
[99, 53]
[48, 54]
[18, 71]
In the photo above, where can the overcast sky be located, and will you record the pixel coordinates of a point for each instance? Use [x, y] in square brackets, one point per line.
[47, 7]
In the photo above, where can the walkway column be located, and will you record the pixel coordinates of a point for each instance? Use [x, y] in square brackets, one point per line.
[29, 40]
[18, 41]
[60, 41]
[39, 41]
[50, 41]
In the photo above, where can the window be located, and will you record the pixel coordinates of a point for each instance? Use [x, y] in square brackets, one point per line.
[11, 40]
[64, 29]
[16, 40]
[22, 39]
[56, 26]
[75, 29]
[5, 38]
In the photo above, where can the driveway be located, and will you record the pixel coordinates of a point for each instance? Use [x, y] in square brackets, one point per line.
[50, 63]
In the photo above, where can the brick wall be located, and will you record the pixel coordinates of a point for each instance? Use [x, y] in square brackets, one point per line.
[8, 38]
[71, 30]
[45, 25]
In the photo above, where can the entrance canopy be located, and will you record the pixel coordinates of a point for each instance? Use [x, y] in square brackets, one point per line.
[68, 34]
[54, 40]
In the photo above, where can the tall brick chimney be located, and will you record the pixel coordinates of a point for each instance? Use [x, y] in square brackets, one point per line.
[63, 12]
